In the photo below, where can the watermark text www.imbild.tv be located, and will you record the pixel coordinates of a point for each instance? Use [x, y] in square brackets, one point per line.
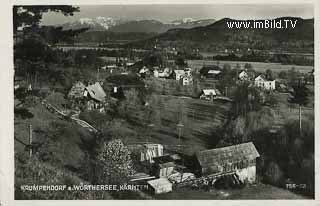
[263, 24]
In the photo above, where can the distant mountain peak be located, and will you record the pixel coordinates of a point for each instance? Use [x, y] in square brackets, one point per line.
[101, 23]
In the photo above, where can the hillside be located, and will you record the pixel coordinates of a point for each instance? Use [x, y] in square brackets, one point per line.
[153, 26]
[218, 36]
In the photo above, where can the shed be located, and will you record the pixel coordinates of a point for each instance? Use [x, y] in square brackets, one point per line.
[240, 158]
[161, 185]
[164, 166]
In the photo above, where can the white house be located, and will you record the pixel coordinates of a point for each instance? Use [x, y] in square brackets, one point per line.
[209, 94]
[162, 74]
[243, 75]
[262, 82]
[186, 79]
[178, 74]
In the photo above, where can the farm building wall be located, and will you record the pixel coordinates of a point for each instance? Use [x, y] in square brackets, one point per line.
[246, 169]
[164, 172]
[247, 174]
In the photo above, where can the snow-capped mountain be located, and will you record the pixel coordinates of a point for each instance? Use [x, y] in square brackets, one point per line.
[190, 22]
[94, 24]
[183, 21]
[147, 26]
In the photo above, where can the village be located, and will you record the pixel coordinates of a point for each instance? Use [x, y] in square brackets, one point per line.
[162, 116]
[231, 166]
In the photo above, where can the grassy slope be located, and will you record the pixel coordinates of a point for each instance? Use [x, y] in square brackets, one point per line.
[203, 118]
[41, 119]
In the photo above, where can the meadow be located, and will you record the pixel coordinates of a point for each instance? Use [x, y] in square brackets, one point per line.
[257, 66]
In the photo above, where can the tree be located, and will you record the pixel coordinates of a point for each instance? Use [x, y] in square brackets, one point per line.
[274, 173]
[180, 62]
[32, 15]
[34, 171]
[299, 95]
[116, 162]
[246, 99]
[269, 74]
[247, 66]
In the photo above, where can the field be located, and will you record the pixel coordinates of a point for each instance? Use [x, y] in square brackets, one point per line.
[258, 192]
[201, 120]
[257, 66]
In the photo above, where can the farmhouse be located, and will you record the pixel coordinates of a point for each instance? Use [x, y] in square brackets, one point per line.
[262, 82]
[177, 74]
[243, 75]
[143, 72]
[162, 74]
[96, 96]
[161, 185]
[240, 159]
[93, 96]
[186, 79]
[209, 94]
[212, 71]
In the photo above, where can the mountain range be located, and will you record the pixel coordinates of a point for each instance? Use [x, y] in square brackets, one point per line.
[217, 35]
[144, 26]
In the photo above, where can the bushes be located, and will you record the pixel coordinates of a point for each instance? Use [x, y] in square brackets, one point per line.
[274, 174]
[116, 163]
[35, 172]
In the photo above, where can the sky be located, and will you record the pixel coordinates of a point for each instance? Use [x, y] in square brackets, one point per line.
[167, 13]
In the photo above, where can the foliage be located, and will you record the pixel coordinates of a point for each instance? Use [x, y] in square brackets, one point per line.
[116, 162]
[247, 98]
[57, 99]
[274, 174]
[269, 75]
[62, 144]
[35, 172]
[299, 95]
[31, 15]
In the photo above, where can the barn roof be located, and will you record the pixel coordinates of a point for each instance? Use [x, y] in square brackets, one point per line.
[96, 92]
[230, 154]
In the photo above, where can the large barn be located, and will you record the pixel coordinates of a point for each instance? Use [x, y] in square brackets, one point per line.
[240, 159]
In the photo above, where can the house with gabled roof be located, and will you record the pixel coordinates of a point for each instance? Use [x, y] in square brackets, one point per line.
[209, 94]
[96, 96]
[243, 75]
[240, 159]
[92, 96]
[262, 82]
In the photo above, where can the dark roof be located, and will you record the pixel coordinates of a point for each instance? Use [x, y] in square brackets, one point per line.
[234, 153]
[163, 159]
[166, 165]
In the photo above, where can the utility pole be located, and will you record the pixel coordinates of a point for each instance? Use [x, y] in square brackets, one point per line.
[30, 140]
[98, 74]
[180, 125]
[150, 126]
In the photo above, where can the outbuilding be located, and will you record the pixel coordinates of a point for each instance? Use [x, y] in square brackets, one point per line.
[161, 185]
[240, 159]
